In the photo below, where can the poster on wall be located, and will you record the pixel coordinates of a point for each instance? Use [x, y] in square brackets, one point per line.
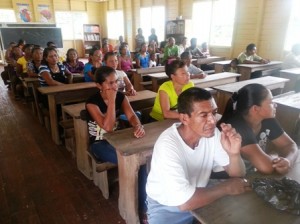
[24, 13]
[45, 13]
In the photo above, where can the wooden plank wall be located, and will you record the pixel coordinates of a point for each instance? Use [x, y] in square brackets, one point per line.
[263, 22]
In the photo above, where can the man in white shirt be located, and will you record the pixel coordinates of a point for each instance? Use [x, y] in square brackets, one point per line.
[185, 155]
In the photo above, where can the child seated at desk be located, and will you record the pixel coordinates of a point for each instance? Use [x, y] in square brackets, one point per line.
[103, 109]
[124, 84]
[165, 104]
[152, 62]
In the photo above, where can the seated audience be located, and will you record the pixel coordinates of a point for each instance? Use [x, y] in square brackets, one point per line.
[95, 61]
[204, 49]
[124, 84]
[292, 60]
[183, 46]
[250, 57]
[184, 156]
[165, 104]
[51, 71]
[119, 43]
[142, 58]
[194, 50]
[36, 59]
[125, 62]
[8, 58]
[21, 44]
[171, 51]
[194, 71]
[152, 61]
[110, 48]
[252, 113]
[72, 62]
[12, 70]
[22, 61]
[103, 110]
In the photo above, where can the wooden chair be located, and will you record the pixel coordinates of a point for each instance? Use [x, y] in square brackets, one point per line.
[99, 168]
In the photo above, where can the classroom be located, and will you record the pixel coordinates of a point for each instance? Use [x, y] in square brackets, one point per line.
[107, 108]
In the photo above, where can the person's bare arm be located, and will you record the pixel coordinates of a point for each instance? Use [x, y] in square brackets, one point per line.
[231, 142]
[106, 121]
[130, 91]
[165, 106]
[48, 79]
[205, 196]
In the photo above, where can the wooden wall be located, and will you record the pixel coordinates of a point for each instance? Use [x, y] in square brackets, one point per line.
[263, 22]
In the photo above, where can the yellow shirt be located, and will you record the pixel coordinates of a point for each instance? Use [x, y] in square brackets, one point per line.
[22, 61]
[167, 87]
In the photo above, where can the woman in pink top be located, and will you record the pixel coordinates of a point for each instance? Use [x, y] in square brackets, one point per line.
[125, 62]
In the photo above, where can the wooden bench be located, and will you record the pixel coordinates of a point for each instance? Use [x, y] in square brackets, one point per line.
[99, 169]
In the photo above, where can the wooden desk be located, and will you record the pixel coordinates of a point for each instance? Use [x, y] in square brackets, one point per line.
[155, 77]
[208, 82]
[246, 208]
[224, 92]
[219, 65]
[59, 95]
[246, 69]
[33, 83]
[143, 99]
[77, 77]
[287, 112]
[132, 152]
[216, 79]
[139, 73]
[293, 75]
[208, 60]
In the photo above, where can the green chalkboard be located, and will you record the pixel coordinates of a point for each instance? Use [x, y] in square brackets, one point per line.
[32, 35]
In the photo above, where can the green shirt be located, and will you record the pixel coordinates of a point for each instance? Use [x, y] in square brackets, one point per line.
[171, 52]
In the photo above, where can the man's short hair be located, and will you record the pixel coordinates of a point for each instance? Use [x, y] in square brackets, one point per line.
[185, 55]
[187, 98]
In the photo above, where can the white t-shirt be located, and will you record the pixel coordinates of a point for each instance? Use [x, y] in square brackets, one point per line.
[291, 61]
[120, 78]
[176, 169]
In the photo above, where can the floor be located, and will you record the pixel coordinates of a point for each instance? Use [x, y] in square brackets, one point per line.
[39, 180]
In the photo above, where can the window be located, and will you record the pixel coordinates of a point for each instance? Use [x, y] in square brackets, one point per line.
[213, 21]
[153, 17]
[293, 32]
[71, 24]
[7, 16]
[115, 24]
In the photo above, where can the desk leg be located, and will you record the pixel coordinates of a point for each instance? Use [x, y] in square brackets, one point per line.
[82, 145]
[53, 119]
[128, 167]
[137, 79]
[219, 68]
[222, 99]
[245, 73]
[154, 84]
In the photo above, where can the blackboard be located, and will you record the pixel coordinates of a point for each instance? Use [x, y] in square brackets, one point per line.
[39, 36]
